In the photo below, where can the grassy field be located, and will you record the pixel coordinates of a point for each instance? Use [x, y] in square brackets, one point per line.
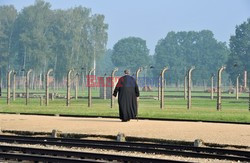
[169, 91]
[175, 108]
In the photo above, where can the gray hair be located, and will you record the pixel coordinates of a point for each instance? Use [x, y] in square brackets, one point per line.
[126, 71]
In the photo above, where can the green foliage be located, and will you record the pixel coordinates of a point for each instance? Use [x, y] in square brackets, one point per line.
[239, 58]
[104, 64]
[43, 38]
[32, 27]
[179, 51]
[8, 16]
[131, 52]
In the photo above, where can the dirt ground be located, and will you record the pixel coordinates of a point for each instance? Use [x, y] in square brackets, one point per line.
[232, 134]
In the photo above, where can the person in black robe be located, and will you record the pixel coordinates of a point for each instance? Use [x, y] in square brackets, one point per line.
[127, 97]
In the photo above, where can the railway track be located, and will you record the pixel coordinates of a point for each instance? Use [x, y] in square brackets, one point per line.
[164, 149]
[49, 155]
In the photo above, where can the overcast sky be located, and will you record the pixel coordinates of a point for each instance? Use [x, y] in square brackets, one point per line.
[153, 19]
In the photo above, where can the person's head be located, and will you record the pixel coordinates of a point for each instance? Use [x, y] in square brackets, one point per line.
[126, 72]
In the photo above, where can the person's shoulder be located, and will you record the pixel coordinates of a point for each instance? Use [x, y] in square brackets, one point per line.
[130, 77]
[123, 77]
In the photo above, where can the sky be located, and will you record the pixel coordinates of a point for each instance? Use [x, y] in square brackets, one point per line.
[151, 20]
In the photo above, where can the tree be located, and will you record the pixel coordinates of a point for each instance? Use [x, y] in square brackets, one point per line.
[41, 38]
[239, 58]
[98, 36]
[104, 64]
[33, 30]
[70, 44]
[179, 51]
[8, 16]
[131, 52]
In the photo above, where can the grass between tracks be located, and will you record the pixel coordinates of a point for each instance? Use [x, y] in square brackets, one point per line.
[175, 108]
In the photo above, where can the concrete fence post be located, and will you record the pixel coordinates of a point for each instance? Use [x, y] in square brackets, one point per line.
[14, 86]
[219, 87]
[76, 85]
[68, 86]
[47, 86]
[137, 77]
[185, 87]
[8, 86]
[162, 87]
[27, 85]
[189, 102]
[245, 79]
[159, 87]
[137, 74]
[89, 89]
[212, 86]
[104, 87]
[112, 87]
[237, 87]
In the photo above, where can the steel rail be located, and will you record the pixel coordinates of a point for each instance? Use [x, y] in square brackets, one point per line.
[35, 158]
[82, 155]
[133, 144]
[138, 147]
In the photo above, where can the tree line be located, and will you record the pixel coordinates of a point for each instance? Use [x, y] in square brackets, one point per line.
[181, 50]
[40, 38]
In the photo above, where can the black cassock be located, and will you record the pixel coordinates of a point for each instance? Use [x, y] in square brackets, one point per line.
[128, 92]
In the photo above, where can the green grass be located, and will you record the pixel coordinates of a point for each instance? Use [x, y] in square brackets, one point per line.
[169, 91]
[175, 108]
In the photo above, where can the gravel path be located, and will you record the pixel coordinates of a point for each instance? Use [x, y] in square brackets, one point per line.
[232, 134]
